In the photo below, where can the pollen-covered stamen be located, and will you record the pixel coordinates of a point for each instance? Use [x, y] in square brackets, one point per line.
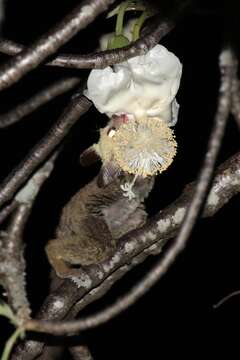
[144, 147]
[128, 188]
[127, 191]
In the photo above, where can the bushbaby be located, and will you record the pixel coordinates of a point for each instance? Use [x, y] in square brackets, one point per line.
[92, 222]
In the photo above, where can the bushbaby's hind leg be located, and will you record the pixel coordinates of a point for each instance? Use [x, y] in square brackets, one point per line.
[93, 244]
[54, 250]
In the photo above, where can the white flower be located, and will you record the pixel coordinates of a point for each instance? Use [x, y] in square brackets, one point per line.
[139, 147]
[143, 147]
[144, 86]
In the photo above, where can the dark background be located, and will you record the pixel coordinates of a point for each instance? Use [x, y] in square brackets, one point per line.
[177, 314]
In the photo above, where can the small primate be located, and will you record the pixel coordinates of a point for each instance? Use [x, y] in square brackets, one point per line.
[132, 153]
[92, 222]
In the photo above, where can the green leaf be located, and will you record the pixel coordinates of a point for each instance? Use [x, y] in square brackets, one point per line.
[117, 42]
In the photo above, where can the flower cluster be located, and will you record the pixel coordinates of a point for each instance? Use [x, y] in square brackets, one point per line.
[141, 90]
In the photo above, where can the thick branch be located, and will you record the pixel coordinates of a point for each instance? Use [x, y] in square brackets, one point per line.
[49, 43]
[133, 249]
[136, 246]
[101, 59]
[166, 224]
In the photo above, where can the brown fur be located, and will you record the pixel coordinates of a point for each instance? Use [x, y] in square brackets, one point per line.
[91, 223]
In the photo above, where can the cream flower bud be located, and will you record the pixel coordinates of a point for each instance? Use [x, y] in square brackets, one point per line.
[144, 86]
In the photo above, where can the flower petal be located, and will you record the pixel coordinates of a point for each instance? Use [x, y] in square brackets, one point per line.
[142, 86]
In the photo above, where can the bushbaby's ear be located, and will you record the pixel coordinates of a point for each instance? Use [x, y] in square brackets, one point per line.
[89, 157]
[108, 173]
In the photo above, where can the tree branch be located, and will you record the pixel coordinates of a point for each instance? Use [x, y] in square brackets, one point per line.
[41, 98]
[101, 59]
[77, 107]
[133, 249]
[12, 267]
[49, 43]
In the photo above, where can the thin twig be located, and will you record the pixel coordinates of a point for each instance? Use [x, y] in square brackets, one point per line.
[226, 298]
[10, 344]
[78, 106]
[228, 70]
[41, 98]
[49, 43]
[99, 60]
